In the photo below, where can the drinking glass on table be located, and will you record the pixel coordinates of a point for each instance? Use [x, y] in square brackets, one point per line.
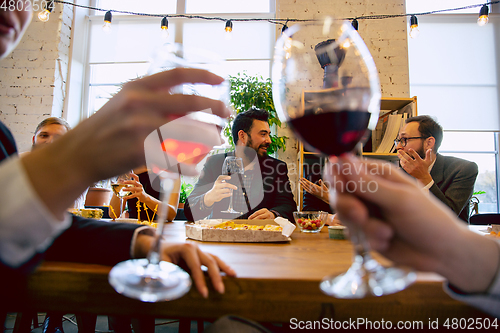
[120, 189]
[175, 148]
[233, 166]
[326, 86]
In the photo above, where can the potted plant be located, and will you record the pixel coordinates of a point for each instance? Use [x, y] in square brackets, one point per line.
[474, 202]
[186, 189]
[248, 91]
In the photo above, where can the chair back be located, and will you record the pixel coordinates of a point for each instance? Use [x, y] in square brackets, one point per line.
[484, 219]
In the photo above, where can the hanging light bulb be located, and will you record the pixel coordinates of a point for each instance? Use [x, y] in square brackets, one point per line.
[164, 27]
[229, 28]
[483, 16]
[414, 32]
[44, 15]
[107, 22]
[355, 24]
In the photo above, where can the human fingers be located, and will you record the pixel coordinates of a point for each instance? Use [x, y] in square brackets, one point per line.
[403, 156]
[132, 195]
[260, 214]
[428, 155]
[378, 234]
[174, 77]
[134, 177]
[222, 177]
[414, 155]
[214, 266]
[188, 253]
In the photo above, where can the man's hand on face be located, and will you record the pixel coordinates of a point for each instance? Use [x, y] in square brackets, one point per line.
[219, 191]
[415, 166]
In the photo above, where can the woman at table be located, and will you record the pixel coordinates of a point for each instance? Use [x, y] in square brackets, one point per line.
[38, 187]
[146, 193]
[417, 230]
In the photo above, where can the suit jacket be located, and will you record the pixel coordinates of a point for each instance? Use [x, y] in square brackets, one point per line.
[86, 240]
[275, 187]
[454, 180]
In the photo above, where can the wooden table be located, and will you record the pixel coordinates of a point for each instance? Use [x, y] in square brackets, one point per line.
[276, 282]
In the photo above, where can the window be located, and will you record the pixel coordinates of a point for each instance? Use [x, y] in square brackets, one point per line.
[123, 53]
[447, 76]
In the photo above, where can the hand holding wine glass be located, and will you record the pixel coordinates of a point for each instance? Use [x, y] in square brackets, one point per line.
[120, 189]
[173, 149]
[325, 81]
[233, 166]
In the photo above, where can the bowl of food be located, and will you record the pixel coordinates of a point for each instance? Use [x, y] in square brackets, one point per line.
[310, 221]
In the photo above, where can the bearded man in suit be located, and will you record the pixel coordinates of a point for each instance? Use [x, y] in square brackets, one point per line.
[263, 192]
[449, 178]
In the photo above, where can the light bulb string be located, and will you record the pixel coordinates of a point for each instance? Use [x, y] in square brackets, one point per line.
[277, 21]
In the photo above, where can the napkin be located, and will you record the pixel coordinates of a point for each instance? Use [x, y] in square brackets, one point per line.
[286, 225]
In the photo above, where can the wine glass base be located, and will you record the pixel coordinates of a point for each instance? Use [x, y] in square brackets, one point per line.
[360, 282]
[147, 282]
[231, 212]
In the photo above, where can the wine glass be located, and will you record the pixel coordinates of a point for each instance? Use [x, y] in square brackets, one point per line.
[233, 166]
[326, 86]
[174, 149]
[120, 189]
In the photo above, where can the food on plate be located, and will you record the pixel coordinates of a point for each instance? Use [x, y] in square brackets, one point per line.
[231, 225]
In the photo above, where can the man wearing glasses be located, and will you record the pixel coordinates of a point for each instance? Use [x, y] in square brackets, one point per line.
[450, 179]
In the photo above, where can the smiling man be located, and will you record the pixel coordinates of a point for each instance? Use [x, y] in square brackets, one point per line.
[267, 193]
[449, 178]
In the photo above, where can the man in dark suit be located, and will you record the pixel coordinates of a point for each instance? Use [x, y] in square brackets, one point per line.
[263, 192]
[450, 179]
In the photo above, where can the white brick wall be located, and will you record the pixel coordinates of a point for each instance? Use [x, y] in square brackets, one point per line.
[33, 77]
[386, 40]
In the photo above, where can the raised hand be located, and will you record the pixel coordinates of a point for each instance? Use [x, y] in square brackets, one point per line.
[415, 166]
[319, 191]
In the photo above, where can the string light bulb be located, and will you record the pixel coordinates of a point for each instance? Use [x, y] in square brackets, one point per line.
[414, 32]
[44, 15]
[285, 26]
[164, 27]
[355, 24]
[107, 22]
[229, 29]
[483, 16]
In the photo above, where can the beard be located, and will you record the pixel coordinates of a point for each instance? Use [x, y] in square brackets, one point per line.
[257, 149]
[420, 151]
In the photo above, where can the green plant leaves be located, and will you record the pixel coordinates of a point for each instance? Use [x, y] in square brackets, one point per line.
[247, 91]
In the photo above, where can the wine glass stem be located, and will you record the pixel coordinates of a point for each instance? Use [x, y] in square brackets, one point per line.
[230, 208]
[361, 247]
[154, 254]
[121, 207]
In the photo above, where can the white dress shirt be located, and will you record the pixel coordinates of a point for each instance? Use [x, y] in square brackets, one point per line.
[26, 225]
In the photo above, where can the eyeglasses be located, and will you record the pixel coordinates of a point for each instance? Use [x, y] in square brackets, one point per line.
[404, 141]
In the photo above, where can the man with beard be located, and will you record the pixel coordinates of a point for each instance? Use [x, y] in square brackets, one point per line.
[263, 192]
[450, 179]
